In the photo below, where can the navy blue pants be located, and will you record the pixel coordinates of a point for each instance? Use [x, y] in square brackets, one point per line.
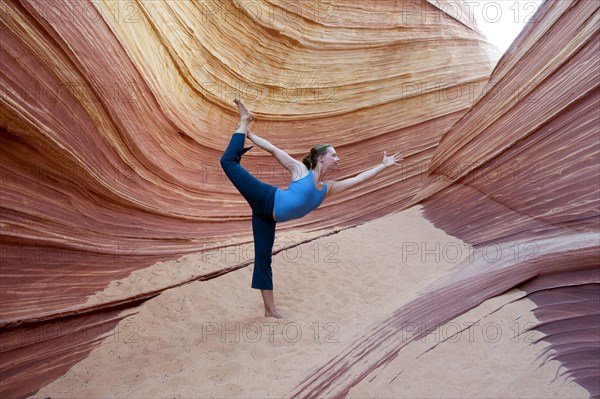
[261, 198]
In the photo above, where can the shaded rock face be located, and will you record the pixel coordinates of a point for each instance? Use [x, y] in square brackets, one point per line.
[114, 116]
[532, 182]
[525, 158]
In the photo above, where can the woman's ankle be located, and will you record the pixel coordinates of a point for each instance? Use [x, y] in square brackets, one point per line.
[242, 128]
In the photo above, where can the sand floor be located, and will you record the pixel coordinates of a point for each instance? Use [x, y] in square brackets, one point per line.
[208, 339]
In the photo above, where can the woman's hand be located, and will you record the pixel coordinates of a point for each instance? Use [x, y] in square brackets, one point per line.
[392, 159]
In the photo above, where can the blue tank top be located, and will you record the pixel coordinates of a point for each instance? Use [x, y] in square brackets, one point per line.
[299, 199]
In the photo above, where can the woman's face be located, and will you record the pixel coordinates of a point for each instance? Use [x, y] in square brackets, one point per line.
[330, 159]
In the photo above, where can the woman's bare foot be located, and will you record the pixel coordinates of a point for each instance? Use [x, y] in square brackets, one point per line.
[273, 313]
[245, 114]
[269, 301]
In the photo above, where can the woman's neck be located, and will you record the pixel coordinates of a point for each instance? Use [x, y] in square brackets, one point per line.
[317, 173]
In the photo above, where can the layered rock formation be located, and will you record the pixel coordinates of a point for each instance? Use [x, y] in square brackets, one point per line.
[114, 116]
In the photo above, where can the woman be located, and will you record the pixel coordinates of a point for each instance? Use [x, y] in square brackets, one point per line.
[271, 205]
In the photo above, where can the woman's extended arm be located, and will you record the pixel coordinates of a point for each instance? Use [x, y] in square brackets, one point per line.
[343, 185]
[294, 166]
[262, 143]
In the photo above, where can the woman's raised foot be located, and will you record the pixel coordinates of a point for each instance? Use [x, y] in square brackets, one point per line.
[245, 114]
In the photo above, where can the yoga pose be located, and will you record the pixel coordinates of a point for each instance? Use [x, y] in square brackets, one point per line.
[271, 205]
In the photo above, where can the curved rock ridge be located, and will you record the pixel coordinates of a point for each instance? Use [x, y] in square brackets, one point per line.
[114, 116]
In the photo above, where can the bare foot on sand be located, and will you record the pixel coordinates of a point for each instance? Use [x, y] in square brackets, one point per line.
[245, 114]
[273, 313]
[269, 301]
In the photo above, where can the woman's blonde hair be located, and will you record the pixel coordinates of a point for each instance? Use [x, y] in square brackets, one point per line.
[311, 159]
